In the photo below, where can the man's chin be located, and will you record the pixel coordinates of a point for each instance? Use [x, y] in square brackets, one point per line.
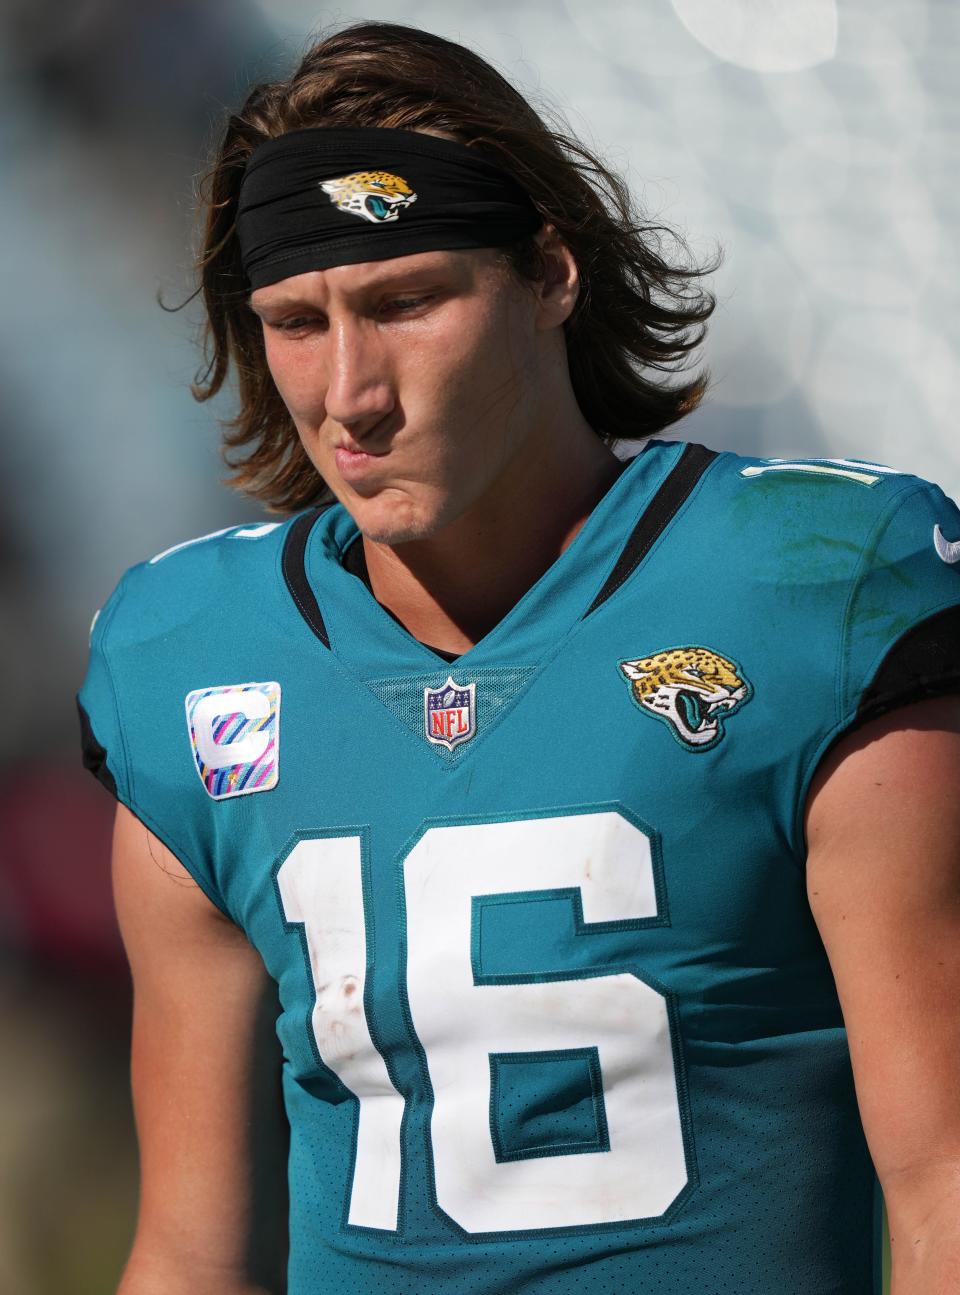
[397, 515]
[393, 525]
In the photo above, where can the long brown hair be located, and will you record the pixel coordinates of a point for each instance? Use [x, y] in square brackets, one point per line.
[637, 315]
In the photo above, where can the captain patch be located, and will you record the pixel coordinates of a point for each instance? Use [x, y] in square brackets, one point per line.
[235, 737]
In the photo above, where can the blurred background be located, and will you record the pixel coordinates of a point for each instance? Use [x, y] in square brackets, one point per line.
[817, 143]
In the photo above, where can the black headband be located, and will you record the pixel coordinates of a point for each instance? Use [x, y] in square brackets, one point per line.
[328, 196]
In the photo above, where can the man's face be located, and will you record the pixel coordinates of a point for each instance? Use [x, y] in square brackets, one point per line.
[412, 382]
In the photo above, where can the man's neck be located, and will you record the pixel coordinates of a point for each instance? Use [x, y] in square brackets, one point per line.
[453, 588]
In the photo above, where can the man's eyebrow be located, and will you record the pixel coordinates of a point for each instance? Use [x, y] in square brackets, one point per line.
[280, 303]
[389, 278]
[295, 301]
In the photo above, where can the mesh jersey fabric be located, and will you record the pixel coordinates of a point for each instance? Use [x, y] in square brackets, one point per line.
[556, 1017]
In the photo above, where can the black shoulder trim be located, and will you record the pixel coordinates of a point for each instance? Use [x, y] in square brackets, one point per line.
[295, 572]
[94, 755]
[355, 561]
[924, 662]
[660, 512]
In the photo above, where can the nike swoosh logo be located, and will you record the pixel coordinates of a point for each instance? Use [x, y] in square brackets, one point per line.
[947, 550]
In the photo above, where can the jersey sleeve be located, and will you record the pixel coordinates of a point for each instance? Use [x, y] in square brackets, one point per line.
[100, 733]
[114, 737]
[901, 624]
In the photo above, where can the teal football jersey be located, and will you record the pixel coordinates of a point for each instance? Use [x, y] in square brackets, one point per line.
[556, 1017]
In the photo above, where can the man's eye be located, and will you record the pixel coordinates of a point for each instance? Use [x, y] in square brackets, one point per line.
[291, 325]
[396, 305]
[406, 303]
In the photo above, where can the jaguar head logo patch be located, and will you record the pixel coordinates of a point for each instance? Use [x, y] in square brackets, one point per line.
[692, 689]
[377, 196]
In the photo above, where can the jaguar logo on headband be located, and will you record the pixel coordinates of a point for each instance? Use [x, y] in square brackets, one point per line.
[377, 196]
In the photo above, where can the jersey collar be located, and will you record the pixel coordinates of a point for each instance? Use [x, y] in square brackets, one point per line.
[609, 547]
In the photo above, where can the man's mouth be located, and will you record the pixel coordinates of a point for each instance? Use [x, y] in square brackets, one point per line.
[355, 463]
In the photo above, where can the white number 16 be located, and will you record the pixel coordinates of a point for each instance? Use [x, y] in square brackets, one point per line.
[469, 1022]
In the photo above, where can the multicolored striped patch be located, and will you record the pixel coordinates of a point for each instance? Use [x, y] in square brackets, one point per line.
[235, 736]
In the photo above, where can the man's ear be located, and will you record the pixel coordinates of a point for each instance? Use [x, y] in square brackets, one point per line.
[560, 288]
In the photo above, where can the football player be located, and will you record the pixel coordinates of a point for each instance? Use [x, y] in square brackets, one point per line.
[538, 873]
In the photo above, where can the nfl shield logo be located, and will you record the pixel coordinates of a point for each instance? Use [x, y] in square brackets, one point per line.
[450, 713]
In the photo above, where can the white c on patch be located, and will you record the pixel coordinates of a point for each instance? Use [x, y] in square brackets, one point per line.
[235, 735]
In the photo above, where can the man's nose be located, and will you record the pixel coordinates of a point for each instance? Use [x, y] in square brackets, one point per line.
[360, 391]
